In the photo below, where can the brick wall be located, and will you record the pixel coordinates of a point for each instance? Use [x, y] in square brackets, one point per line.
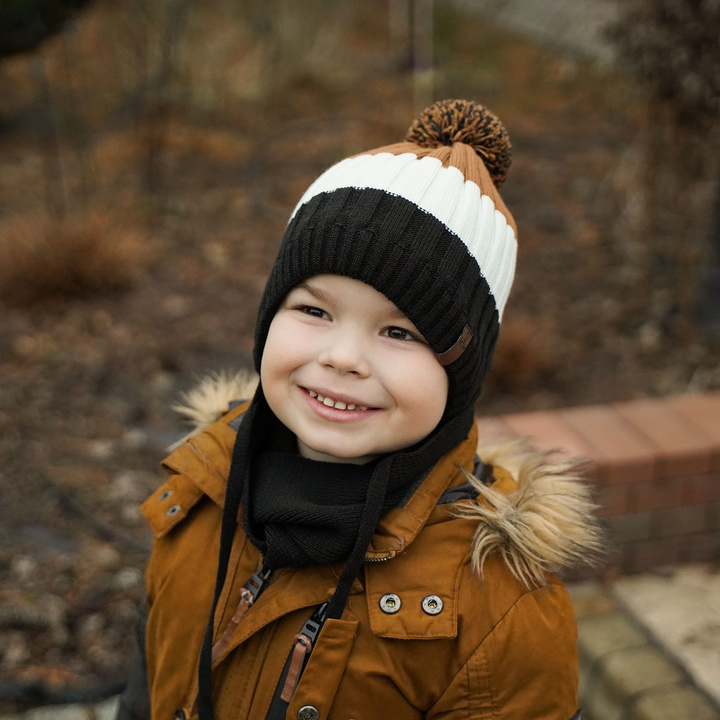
[655, 464]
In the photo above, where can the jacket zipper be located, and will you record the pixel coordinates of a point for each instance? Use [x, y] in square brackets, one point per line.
[248, 595]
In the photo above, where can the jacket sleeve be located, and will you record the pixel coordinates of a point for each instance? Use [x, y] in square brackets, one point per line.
[526, 667]
[135, 700]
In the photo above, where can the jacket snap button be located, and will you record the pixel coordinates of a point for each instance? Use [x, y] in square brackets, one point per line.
[174, 510]
[390, 603]
[165, 495]
[432, 605]
[308, 712]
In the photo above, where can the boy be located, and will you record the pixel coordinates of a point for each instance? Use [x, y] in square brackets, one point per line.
[334, 548]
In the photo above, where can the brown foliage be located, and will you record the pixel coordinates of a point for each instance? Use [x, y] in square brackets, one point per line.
[87, 252]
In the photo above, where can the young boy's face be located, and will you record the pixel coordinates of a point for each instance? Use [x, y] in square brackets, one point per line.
[348, 373]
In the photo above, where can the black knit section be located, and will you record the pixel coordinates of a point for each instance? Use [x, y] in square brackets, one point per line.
[305, 512]
[407, 254]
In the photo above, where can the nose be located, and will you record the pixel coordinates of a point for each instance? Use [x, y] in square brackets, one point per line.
[344, 352]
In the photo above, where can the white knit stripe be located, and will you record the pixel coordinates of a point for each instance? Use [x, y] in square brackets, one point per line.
[478, 243]
[467, 223]
[507, 273]
[445, 194]
[418, 181]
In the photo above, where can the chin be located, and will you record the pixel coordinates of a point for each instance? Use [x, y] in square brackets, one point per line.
[333, 453]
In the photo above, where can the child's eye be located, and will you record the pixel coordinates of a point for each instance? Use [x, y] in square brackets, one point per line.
[398, 333]
[312, 311]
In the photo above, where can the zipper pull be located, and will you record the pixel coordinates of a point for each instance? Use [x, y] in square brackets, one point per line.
[248, 595]
[304, 642]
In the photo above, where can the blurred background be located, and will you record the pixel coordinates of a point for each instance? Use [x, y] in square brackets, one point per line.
[150, 153]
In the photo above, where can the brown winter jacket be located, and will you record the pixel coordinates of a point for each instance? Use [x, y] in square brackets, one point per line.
[502, 646]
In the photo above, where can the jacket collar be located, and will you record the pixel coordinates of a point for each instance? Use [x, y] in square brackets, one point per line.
[400, 526]
[204, 459]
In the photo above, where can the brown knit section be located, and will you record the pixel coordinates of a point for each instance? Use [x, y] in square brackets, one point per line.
[460, 156]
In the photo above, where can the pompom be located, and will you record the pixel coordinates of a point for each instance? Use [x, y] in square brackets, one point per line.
[450, 121]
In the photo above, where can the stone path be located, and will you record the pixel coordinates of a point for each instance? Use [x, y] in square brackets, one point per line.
[630, 672]
[681, 608]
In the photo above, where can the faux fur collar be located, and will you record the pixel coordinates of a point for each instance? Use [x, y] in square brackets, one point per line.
[540, 520]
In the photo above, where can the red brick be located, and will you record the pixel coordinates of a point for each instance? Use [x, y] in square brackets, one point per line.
[625, 529]
[679, 521]
[613, 500]
[700, 547]
[681, 450]
[713, 516]
[653, 554]
[627, 559]
[622, 454]
[493, 430]
[579, 574]
[703, 413]
[608, 565]
[714, 487]
[698, 489]
[657, 494]
[549, 431]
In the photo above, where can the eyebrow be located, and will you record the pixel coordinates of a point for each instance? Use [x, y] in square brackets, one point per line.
[319, 294]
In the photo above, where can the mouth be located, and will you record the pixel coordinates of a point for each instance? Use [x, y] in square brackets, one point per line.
[337, 404]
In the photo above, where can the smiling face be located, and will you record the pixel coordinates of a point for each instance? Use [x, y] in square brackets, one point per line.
[346, 371]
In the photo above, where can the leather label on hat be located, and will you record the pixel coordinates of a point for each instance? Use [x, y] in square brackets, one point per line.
[451, 355]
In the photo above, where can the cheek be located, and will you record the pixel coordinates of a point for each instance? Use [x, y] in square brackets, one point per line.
[423, 389]
[274, 359]
[436, 389]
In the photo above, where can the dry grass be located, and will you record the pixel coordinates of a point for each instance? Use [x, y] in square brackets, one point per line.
[91, 251]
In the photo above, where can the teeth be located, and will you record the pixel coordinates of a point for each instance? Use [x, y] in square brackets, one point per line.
[337, 404]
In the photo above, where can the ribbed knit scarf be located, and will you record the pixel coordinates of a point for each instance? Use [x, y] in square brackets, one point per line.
[304, 512]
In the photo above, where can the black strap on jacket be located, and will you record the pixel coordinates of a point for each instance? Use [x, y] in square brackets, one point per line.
[228, 527]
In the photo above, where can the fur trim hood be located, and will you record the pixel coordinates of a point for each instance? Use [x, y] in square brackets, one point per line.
[537, 515]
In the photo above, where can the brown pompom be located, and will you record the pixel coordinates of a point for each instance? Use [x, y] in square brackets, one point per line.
[450, 121]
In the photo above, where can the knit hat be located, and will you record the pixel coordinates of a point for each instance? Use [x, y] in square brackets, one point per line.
[422, 222]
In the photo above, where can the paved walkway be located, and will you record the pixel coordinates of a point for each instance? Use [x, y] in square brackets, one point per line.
[681, 610]
[650, 646]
